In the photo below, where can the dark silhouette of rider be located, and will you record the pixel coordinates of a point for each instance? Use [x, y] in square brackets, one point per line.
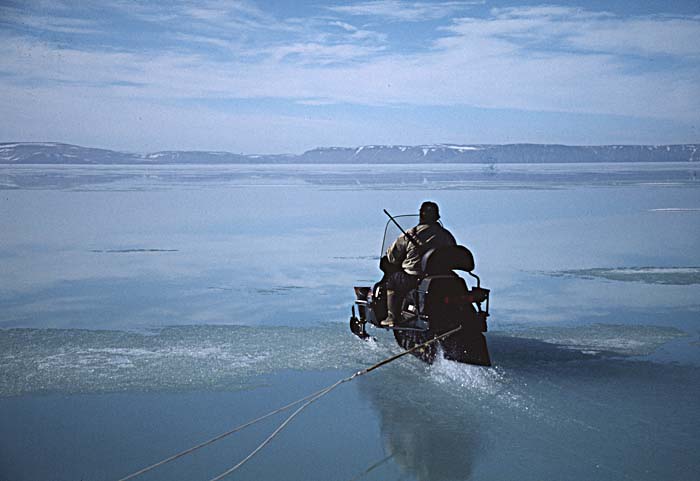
[406, 254]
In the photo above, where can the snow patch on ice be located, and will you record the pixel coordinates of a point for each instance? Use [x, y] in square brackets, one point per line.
[604, 338]
[676, 209]
[650, 275]
[184, 358]
[462, 148]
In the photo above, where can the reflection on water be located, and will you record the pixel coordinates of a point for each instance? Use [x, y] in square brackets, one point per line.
[426, 438]
[678, 276]
[547, 407]
[236, 245]
[595, 371]
[345, 176]
[547, 410]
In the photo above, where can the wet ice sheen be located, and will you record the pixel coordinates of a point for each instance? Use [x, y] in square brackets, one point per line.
[228, 357]
[596, 371]
[546, 408]
[680, 276]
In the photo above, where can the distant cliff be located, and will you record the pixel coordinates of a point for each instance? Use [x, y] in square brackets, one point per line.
[57, 153]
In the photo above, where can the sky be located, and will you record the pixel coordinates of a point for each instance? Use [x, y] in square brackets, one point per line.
[285, 76]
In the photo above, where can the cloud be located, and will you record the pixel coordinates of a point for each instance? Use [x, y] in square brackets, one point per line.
[89, 117]
[355, 33]
[49, 23]
[539, 59]
[207, 40]
[645, 36]
[572, 60]
[228, 14]
[402, 11]
[215, 12]
[584, 30]
[320, 54]
[552, 12]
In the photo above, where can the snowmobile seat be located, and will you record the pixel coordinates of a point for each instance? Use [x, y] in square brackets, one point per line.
[443, 260]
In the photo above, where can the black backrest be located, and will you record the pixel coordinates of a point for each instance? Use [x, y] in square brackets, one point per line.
[443, 260]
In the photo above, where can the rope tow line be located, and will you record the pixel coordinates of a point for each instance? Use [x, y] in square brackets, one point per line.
[307, 401]
[216, 438]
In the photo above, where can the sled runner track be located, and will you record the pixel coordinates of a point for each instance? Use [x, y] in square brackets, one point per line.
[307, 401]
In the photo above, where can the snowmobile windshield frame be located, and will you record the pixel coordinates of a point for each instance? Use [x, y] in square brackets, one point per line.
[391, 232]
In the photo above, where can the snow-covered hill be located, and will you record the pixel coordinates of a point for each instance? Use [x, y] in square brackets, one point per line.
[512, 153]
[57, 153]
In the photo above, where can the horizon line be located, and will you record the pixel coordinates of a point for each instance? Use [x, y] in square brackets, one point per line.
[355, 147]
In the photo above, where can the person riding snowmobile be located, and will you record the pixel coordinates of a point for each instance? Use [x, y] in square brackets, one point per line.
[406, 254]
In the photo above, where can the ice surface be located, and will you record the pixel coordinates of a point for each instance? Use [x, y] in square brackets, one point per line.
[680, 276]
[227, 357]
[195, 357]
[593, 377]
[436, 176]
[676, 209]
[602, 338]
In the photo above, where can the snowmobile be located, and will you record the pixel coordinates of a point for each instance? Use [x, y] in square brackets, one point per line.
[442, 302]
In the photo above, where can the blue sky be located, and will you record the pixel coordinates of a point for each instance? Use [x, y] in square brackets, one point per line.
[287, 76]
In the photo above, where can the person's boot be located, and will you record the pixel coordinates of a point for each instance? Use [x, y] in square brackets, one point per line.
[393, 304]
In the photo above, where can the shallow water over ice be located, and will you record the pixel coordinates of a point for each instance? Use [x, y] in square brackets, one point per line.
[41, 361]
[548, 409]
[145, 309]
